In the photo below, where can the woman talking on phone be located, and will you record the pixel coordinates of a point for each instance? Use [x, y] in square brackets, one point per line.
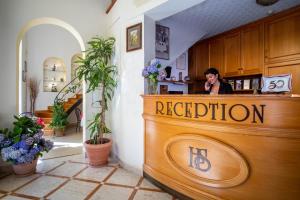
[214, 84]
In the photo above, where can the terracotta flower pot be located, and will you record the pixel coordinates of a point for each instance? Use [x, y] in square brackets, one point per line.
[98, 153]
[59, 132]
[25, 169]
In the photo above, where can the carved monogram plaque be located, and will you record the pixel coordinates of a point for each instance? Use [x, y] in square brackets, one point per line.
[206, 161]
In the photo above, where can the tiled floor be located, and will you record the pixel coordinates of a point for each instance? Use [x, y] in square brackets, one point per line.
[72, 178]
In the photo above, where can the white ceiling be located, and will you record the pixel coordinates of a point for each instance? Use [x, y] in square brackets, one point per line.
[216, 16]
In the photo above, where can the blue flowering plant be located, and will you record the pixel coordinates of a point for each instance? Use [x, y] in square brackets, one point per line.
[152, 71]
[25, 143]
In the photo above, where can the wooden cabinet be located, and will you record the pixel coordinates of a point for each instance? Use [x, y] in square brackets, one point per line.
[232, 54]
[269, 46]
[252, 50]
[282, 38]
[216, 54]
[293, 69]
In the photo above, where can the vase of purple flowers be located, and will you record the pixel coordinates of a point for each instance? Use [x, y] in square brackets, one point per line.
[151, 73]
[24, 144]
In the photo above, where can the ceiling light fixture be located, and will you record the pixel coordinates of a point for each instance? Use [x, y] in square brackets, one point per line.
[266, 2]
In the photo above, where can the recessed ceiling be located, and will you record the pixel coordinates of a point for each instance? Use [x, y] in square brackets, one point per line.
[217, 16]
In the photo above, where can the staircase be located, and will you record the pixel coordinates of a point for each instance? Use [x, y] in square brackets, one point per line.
[46, 115]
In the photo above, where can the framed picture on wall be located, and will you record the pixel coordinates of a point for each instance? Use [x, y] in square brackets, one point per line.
[181, 62]
[162, 44]
[134, 37]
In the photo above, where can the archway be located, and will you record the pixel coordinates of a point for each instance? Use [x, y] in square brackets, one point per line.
[25, 28]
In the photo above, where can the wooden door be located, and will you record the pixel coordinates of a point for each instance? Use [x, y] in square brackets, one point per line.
[216, 54]
[252, 49]
[282, 39]
[232, 54]
[288, 69]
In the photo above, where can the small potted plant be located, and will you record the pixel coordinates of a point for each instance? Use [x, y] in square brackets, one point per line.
[152, 74]
[97, 71]
[59, 119]
[24, 144]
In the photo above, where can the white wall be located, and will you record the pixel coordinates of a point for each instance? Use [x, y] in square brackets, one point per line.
[46, 41]
[86, 16]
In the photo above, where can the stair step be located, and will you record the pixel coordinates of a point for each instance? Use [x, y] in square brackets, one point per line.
[72, 100]
[44, 113]
[47, 120]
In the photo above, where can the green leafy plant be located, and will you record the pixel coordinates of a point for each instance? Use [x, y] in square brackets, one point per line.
[97, 71]
[59, 117]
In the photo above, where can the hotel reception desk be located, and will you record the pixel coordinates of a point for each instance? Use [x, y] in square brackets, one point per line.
[224, 147]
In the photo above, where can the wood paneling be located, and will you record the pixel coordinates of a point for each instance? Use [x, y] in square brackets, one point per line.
[204, 153]
[252, 49]
[290, 69]
[283, 39]
[198, 60]
[216, 54]
[232, 54]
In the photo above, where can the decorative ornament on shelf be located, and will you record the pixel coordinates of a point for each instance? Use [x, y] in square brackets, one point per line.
[151, 73]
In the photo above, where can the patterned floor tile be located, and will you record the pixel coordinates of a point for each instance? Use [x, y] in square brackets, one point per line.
[107, 192]
[41, 186]
[10, 197]
[75, 190]
[68, 169]
[12, 182]
[124, 177]
[96, 174]
[148, 195]
[146, 184]
[44, 166]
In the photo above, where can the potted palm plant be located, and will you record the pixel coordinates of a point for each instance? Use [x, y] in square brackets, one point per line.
[97, 71]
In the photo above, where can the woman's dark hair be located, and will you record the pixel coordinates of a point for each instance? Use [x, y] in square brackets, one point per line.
[211, 71]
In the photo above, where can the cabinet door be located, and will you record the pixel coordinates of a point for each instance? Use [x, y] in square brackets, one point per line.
[252, 50]
[202, 59]
[288, 69]
[232, 54]
[282, 41]
[216, 54]
[198, 60]
[192, 63]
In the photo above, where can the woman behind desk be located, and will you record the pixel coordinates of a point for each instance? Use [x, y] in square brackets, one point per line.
[214, 84]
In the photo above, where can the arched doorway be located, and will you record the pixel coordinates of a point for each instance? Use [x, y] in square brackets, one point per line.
[25, 28]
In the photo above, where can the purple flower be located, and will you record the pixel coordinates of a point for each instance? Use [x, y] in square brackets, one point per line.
[23, 151]
[5, 143]
[151, 71]
[2, 137]
[29, 141]
[48, 145]
[34, 151]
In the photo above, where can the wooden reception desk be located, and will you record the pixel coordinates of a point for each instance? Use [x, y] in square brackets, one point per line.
[224, 147]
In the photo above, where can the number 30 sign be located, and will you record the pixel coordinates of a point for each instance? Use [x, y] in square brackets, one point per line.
[278, 83]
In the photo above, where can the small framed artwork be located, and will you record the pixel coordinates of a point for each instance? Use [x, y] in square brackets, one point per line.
[231, 82]
[162, 45]
[238, 84]
[246, 85]
[255, 83]
[181, 62]
[134, 37]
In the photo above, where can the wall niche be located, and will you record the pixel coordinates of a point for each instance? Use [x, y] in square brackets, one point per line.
[54, 74]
